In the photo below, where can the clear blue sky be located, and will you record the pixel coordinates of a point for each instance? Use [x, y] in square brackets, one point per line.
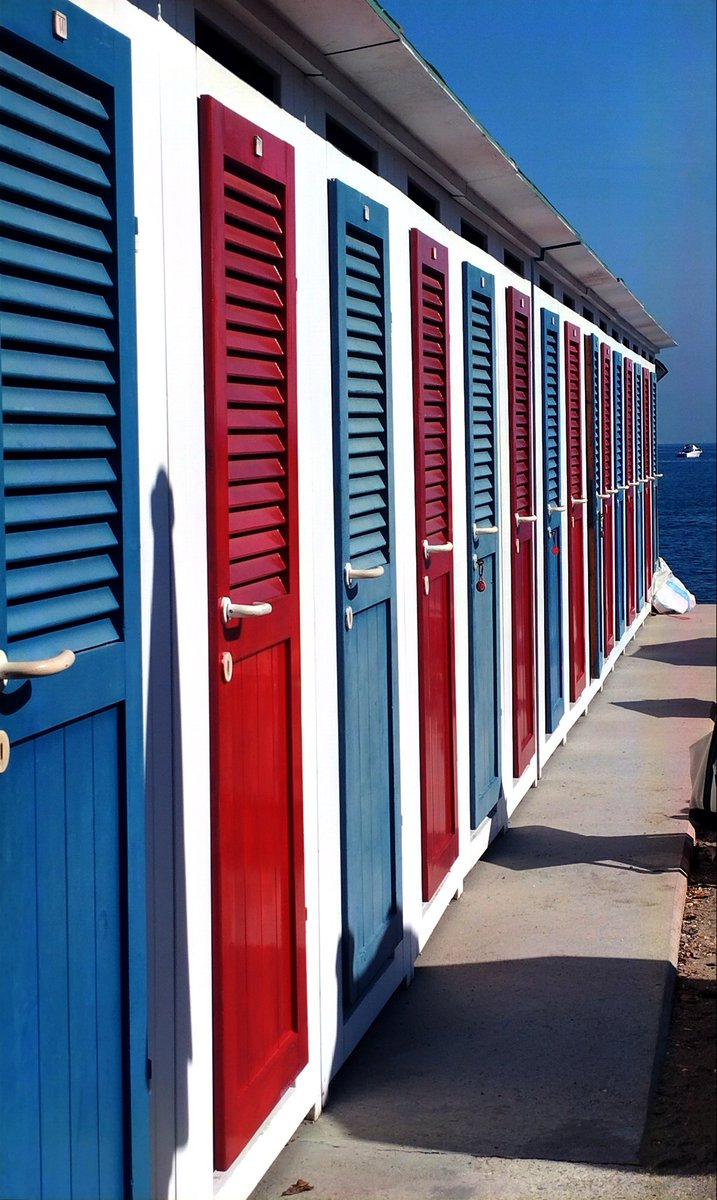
[608, 106]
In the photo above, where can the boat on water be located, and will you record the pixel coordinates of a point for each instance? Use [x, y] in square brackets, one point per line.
[689, 450]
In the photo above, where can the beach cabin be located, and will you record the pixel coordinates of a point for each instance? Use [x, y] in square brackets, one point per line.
[330, 498]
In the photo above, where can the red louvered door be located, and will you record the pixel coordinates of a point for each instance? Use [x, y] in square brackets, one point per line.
[630, 471]
[608, 498]
[648, 475]
[523, 520]
[258, 939]
[434, 556]
[576, 503]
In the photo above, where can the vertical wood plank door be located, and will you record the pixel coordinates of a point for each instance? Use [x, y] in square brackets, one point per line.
[649, 476]
[620, 490]
[630, 507]
[524, 518]
[73, 1009]
[483, 539]
[608, 498]
[639, 488]
[434, 558]
[365, 590]
[577, 501]
[555, 506]
[260, 1031]
[593, 420]
[656, 474]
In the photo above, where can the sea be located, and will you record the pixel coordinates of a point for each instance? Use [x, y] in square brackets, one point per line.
[687, 499]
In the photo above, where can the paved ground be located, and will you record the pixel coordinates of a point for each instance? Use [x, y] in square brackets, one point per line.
[521, 1061]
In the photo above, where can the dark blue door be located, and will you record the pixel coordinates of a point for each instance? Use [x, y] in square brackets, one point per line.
[365, 588]
[73, 1039]
[595, 514]
[483, 539]
[639, 487]
[554, 508]
[620, 489]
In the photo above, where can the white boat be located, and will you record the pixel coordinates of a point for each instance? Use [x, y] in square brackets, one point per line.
[689, 450]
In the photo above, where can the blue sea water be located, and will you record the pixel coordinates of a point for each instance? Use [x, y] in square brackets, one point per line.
[687, 498]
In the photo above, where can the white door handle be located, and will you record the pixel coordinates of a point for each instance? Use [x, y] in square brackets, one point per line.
[519, 519]
[36, 668]
[557, 508]
[578, 499]
[351, 573]
[605, 495]
[230, 612]
[479, 529]
[429, 549]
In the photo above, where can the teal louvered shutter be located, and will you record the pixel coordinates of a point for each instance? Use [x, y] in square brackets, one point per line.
[73, 799]
[594, 491]
[554, 508]
[60, 407]
[365, 583]
[483, 537]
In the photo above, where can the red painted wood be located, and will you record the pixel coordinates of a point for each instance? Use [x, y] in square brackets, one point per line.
[608, 504]
[630, 471]
[260, 1021]
[432, 443]
[649, 471]
[576, 505]
[522, 531]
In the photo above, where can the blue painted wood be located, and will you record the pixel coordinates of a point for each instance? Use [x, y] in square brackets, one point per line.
[594, 488]
[484, 546]
[554, 501]
[640, 488]
[656, 470]
[370, 805]
[620, 484]
[73, 1016]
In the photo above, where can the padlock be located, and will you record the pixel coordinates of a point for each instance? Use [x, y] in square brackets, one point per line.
[481, 585]
[555, 550]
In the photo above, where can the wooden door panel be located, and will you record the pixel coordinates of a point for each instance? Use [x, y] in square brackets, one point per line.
[577, 501]
[607, 496]
[434, 568]
[483, 538]
[620, 492]
[553, 520]
[595, 519]
[73, 1010]
[255, 675]
[523, 518]
[366, 635]
[631, 474]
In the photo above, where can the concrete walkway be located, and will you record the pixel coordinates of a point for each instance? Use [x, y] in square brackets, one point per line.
[520, 1061]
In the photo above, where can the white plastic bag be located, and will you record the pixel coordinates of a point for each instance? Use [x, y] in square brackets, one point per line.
[669, 594]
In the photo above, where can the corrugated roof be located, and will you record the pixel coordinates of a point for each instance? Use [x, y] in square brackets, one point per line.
[358, 53]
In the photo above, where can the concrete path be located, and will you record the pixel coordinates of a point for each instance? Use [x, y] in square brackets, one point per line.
[520, 1061]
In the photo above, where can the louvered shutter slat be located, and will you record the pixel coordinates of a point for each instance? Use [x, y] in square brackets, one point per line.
[58, 328]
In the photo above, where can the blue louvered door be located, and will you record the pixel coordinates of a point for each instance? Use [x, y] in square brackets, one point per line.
[595, 513]
[620, 489]
[365, 588]
[655, 473]
[483, 538]
[72, 915]
[554, 508]
[639, 487]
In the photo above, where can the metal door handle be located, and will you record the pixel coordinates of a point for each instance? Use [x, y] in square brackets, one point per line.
[429, 549]
[557, 508]
[657, 475]
[622, 487]
[529, 520]
[351, 573]
[36, 668]
[578, 499]
[479, 529]
[605, 495]
[230, 612]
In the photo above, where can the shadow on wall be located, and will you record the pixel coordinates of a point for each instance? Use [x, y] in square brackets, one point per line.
[171, 1041]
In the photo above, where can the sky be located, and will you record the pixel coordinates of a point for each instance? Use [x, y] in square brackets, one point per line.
[608, 107]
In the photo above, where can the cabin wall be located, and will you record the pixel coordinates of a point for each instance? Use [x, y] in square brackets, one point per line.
[169, 75]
